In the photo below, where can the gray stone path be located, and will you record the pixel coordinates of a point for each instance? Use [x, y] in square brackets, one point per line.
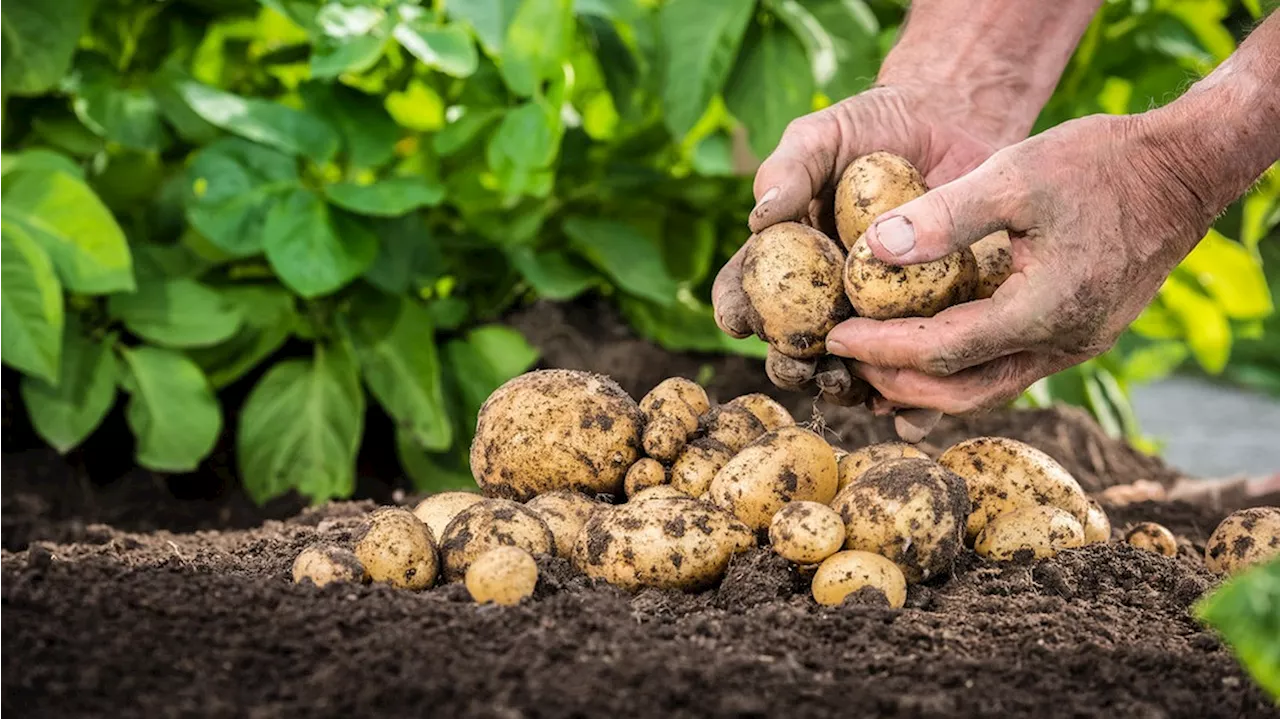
[1211, 430]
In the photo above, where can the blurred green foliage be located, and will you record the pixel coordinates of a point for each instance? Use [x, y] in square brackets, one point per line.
[1246, 612]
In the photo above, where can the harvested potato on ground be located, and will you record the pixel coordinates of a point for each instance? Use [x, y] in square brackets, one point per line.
[438, 510]
[564, 511]
[664, 543]
[1247, 537]
[645, 473]
[882, 291]
[678, 388]
[869, 187]
[994, 254]
[697, 466]
[322, 563]
[1004, 474]
[792, 275]
[1097, 526]
[1153, 538]
[1030, 532]
[771, 414]
[806, 532]
[844, 573]
[504, 575]
[662, 491]
[734, 427]
[671, 412]
[555, 429]
[488, 525]
[909, 510]
[783, 466]
[396, 547]
[854, 463]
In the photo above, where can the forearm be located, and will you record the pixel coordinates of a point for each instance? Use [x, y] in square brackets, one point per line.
[1003, 58]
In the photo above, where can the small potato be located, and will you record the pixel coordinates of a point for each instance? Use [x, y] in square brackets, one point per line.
[438, 510]
[671, 413]
[994, 254]
[697, 466]
[783, 466]
[564, 511]
[1030, 532]
[645, 473]
[909, 510]
[766, 409]
[1245, 538]
[504, 575]
[677, 388]
[844, 573]
[882, 291]
[1097, 526]
[490, 524]
[854, 463]
[663, 543]
[1153, 538]
[397, 548]
[662, 491]
[1004, 474]
[806, 532]
[869, 187]
[792, 275]
[322, 563]
[734, 427]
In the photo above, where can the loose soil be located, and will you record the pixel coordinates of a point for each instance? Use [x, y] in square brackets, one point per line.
[113, 610]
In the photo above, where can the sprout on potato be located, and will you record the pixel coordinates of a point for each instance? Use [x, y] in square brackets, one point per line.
[671, 412]
[488, 525]
[439, 509]
[734, 427]
[806, 532]
[1097, 526]
[766, 409]
[869, 187]
[697, 466]
[1152, 537]
[785, 465]
[564, 511]
[844, 573]
[1029, 533]
[397, 548]
[504, 575]
[322, 563]
[853, 464]
[882, 291]
[1247, 537]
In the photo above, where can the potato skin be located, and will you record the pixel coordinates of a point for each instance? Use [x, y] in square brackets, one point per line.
[555, 429]
[504, 576]
[697, 466]
[564, 511]
[1030, 532]
[662, 491]
[397, 548]
[1097, 526]
[911, 511]
[487, 525]
[882, 291]
[869, 187]
[844, 573]
[439, 509]
[1245, 538]
[766, 409]
[645, 473]
[676, 388]
[1153, 537]
[664, 543]
[806, 532]
[994, 254]
[853, 464]
[322, 563]
[671, 412]
[792, 276]
[785, 465]
[734, 427]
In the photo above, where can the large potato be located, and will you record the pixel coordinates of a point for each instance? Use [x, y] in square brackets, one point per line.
[697, 466]
[555, 429]
[1247, 537]
[909, 510]
[869, 187]
[664, 543]
[854, 463]
[324, 563]
[564, 511]
[1152, 537]
[784, 465]
[1004, 474]
[994, 254]
[488, 525]
[882, 291]
[734, 427]
[844, 573]
[397, 548]
[806, 532]
[671, 411]
[1030, 532]
[438, 510]
[792, 276]
[766, 409]
[504, 575]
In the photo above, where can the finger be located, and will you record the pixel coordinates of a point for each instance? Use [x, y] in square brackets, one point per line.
[796, 171]
[839, 386]
[974, 390]
[733, 310]
[913, 425]
[787, 372]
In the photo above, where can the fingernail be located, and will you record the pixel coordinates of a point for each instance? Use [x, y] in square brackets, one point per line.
[836, 347]
[770, 194]
[896, 235]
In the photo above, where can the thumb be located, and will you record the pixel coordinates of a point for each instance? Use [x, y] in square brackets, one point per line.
[795, 172]
[941, 221]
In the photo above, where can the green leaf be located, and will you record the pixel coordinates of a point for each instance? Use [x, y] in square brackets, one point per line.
[687, 326]
[489, 20]
[1231, 275]
[771, 57]
[112, 109]
[418, 107]
[1246, 612]
[389, 197]
[408, 255]
[176, 312]
[369, 134]
[485, 359]
[313, 249]
[1154, 361]
[31, 306]
[629, 257]
[267, 317]
[427, 474]
[1157, 323]
[554, 275]
[292, 131]
[852, 29]
[526, 139]
[37, 159]
[234, 184]
[395, 344]
[1207, 329]
[300, 428]
[463, 130]
[185, 122]
[39, 41]
[353, 38]
[448, 49]
[172, 410]
[689, 246]
[537, 42]
[818, 44]
[65, 414]
[67, 219]
[700, 39]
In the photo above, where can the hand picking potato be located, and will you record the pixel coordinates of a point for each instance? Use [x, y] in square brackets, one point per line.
[734, 427]
[783, 466]
[697, 466]
[911, 511]
[1153, 538]
[671, 412]
[882, 291]
[1030, 532]
[869, 187]
[844, 573]
[322, 563]
[645, 473]
[662, 491]
[771, 414]
[564, 511]
[438, 510]
[792, 277]
[664, 543]
[1004, 474]
[1247, 537]
[504, 575]
[994, 254]
[397, 548]
[555, 429]
[854, 463]
[806, 532]
[487, 525]
[1097, 527]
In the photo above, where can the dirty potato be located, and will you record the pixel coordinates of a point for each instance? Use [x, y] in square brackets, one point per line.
[697, 466]
[1097, 526]
[806, 532]
[662, 491]
[844, 573]
[783, 466]
[882, 291]
[397, 548]
[766, 409]
[504, 575]
[438, 510]
[994, 255]
[869, 187]
[671, 411]
[555, 429]
[487, 525]
[854, 463]
[1247, 537]
[564, 511]
[734, 427]
[792, 276]
[1153, 537]
[645, 473]
[322, 563]
[1029, 533]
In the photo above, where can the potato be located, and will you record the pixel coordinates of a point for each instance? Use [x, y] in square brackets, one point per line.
[844, 573]
[1004, 474]
[1097, 527]
[1247, 537]
[555, 429]
[771, 414]
[911, 511]
[645, 473]
[882, 291]
[994, 255]
[397, 548]
[664, 543]
[792, 276]
[785, 465]
[322, 563]
[662, 491]
[869, 187]
[1030, 532]
[734, 427]
[438, 510]
[697, 466]
[564, 511]
[487, 525]
[806, 532]
[671, 412]
[1153, 538]
[676, 388]
[854, 463]
[504, 575]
